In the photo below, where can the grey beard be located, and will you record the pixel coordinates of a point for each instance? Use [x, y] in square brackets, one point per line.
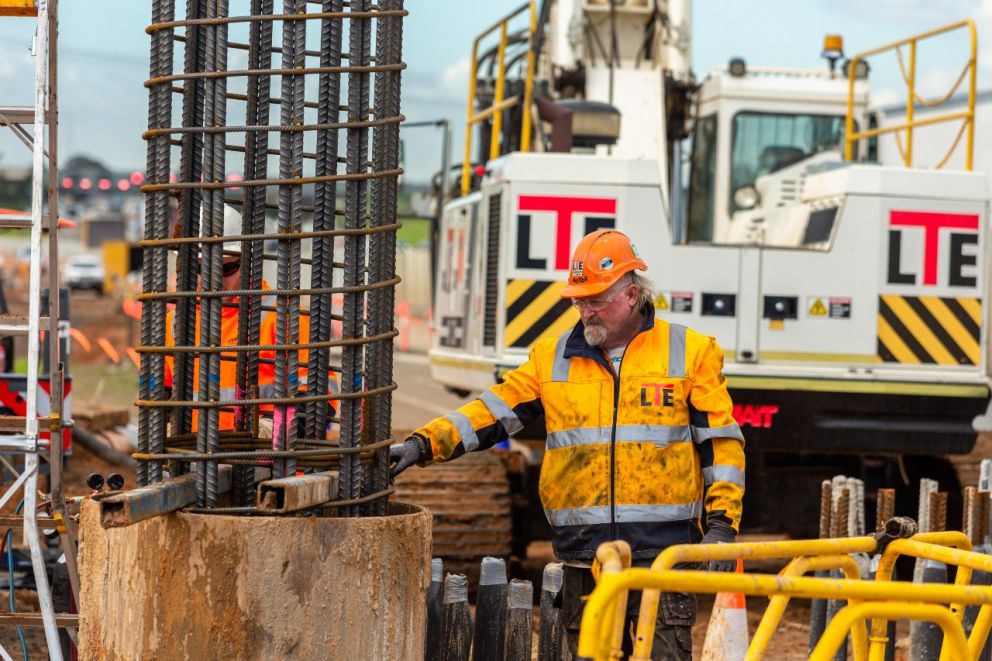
[595, 335]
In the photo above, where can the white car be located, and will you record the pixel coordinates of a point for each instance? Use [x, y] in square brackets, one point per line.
[84, 271]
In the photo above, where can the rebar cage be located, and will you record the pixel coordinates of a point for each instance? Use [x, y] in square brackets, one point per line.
[303, 98]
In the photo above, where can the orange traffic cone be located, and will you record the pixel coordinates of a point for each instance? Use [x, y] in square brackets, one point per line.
[726, 635]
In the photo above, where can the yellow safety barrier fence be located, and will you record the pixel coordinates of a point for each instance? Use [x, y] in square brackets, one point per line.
[499, 104]
[909, 74]
[880, 599]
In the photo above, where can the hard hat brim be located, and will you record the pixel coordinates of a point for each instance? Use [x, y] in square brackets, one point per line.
[586, 289]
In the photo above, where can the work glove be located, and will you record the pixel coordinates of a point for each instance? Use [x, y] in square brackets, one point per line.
[720, 534]
[405, 454]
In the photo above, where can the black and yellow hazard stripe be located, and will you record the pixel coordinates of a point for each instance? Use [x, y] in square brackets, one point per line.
[929, 330]
[535, 309]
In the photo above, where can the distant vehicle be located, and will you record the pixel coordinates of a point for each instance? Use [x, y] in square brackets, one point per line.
[84, 271]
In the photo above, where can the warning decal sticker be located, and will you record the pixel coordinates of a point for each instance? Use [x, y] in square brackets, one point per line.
[829, 307]
[818, 308]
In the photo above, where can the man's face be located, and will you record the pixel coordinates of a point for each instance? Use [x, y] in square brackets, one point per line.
[232, 272]
[231, 275]
[606, 315]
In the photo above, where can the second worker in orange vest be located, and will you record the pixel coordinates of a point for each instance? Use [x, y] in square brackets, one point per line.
[229, 337]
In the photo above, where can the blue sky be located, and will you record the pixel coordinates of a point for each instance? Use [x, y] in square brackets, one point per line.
[104, 60]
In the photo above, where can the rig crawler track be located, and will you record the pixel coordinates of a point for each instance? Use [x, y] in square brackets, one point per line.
[303, 98]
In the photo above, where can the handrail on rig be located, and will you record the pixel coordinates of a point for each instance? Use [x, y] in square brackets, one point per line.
[499, 103]
[968, 117]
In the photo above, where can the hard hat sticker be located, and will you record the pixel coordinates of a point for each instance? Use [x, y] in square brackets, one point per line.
[606, 263]
[577, 267]
[633, 249]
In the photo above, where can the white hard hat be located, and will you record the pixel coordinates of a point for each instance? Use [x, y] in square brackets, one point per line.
[232, 227]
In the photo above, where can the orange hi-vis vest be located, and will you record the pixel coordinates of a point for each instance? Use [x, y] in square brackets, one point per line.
[647, 456]
[228, 368]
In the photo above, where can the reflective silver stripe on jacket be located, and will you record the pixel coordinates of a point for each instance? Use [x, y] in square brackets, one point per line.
[269, 300]
[723, 473]
[657, 434]
[502, 412]
[559, 368]
[733, 431]
[676, 350]
[465, 430]
[587, 516]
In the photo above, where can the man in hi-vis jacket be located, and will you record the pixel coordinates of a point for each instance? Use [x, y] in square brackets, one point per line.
[641, 442]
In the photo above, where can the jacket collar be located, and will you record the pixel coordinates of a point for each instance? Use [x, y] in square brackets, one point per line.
[576, 345]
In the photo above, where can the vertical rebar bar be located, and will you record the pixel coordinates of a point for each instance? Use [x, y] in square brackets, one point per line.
[355, 259]
[188, 216]
[519, 621]
[324, 214]
[969, 516]
[382, 246]
[938, 511]
[290, 208]
[818, 607]
[456, 621]
[490, 611]
[151, 422]
[432, 637]
[551, 633]
[885, 506]
[214, 115]
[826, 508]
[253, 222]
[841, 521]
[926, 637]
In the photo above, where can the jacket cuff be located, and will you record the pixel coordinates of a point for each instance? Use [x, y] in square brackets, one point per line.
[426, 453]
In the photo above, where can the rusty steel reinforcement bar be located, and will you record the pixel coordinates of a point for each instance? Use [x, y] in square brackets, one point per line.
[150, 423]
[312, 357]
[382, 246]
[300, 492]
[170, 495]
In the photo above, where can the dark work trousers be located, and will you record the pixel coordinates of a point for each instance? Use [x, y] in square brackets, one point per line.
[672, 632]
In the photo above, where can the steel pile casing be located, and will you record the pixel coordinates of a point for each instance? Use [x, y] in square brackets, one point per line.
[287, 588]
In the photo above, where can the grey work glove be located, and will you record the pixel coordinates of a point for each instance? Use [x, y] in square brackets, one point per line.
[405, 454]
[720, 534]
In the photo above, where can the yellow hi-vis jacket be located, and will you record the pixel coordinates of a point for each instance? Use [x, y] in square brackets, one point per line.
[639, 457]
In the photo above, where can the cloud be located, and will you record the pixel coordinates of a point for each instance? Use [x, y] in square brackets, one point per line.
[887, 96]
[455, 76]
[934, 12]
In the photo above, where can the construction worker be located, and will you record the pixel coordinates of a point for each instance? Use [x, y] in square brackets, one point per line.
[231, 280]
[641, 443]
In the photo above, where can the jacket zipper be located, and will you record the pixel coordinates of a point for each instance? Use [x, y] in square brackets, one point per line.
[604, 361]
[614, 532]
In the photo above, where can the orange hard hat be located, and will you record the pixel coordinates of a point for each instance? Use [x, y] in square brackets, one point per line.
[599, 260]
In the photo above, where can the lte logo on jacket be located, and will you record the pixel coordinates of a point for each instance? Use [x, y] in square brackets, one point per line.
[657, 394]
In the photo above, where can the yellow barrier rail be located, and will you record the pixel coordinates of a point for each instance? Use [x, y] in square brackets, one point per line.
[685, 553]
[499, 103]
[851, 137]
[881, 599]
[777, 605]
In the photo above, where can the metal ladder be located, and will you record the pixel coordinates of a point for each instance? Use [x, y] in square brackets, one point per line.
[23, 435]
